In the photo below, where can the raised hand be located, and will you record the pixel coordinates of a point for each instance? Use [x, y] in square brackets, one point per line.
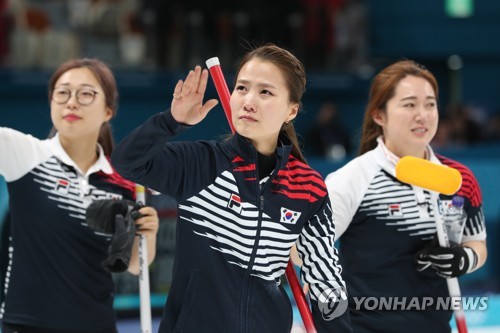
[187, 105]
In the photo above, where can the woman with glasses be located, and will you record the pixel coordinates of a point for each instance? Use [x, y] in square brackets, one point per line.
[55, 281]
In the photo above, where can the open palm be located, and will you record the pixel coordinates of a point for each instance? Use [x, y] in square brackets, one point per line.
[187, 105]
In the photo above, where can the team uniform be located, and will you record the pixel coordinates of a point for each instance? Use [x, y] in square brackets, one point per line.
[235, 230]
[55, 281]
[382, 223]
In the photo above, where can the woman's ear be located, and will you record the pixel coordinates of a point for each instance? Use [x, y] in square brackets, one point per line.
[293, 113]
[378, 117]
[109, 114]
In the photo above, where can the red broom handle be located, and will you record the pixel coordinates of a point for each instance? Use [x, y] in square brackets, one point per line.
[214, 67]
[300, 298]
[221, 86]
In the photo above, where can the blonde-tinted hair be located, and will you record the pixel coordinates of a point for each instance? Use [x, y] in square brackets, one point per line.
[382, 89]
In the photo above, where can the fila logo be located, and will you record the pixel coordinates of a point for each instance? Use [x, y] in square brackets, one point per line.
[289, 216]
[395, 210]
[235, 203]
[62, 186]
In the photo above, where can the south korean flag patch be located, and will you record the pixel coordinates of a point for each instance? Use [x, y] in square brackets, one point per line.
[289, 216]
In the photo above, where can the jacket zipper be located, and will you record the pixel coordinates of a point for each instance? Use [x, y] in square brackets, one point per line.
[245, 306]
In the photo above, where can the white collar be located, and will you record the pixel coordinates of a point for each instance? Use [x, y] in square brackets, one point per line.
[390, 159]
[102, 163]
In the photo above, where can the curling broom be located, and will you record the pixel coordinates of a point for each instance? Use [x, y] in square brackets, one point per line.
[437, 179]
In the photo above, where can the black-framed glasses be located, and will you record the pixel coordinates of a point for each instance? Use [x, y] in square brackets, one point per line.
[84, 96]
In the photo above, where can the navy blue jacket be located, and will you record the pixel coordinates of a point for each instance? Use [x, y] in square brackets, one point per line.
[386, 222]
[234, 233]
[55, 279]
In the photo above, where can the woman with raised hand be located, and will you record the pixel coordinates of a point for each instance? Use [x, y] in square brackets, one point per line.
[243, 203]
[56, 282]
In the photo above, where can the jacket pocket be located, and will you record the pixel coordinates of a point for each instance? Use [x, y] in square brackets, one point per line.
[270, 308]
[187, 304]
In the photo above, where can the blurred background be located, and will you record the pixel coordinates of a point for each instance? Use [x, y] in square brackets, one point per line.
[150, 44]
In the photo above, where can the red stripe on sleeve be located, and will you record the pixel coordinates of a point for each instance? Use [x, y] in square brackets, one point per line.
[470, 187]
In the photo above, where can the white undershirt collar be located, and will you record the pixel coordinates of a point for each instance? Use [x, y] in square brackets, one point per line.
[102, 163]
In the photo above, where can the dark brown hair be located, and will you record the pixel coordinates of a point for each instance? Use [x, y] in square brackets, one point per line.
[382, 89]
[107, 82]
[295, 78]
